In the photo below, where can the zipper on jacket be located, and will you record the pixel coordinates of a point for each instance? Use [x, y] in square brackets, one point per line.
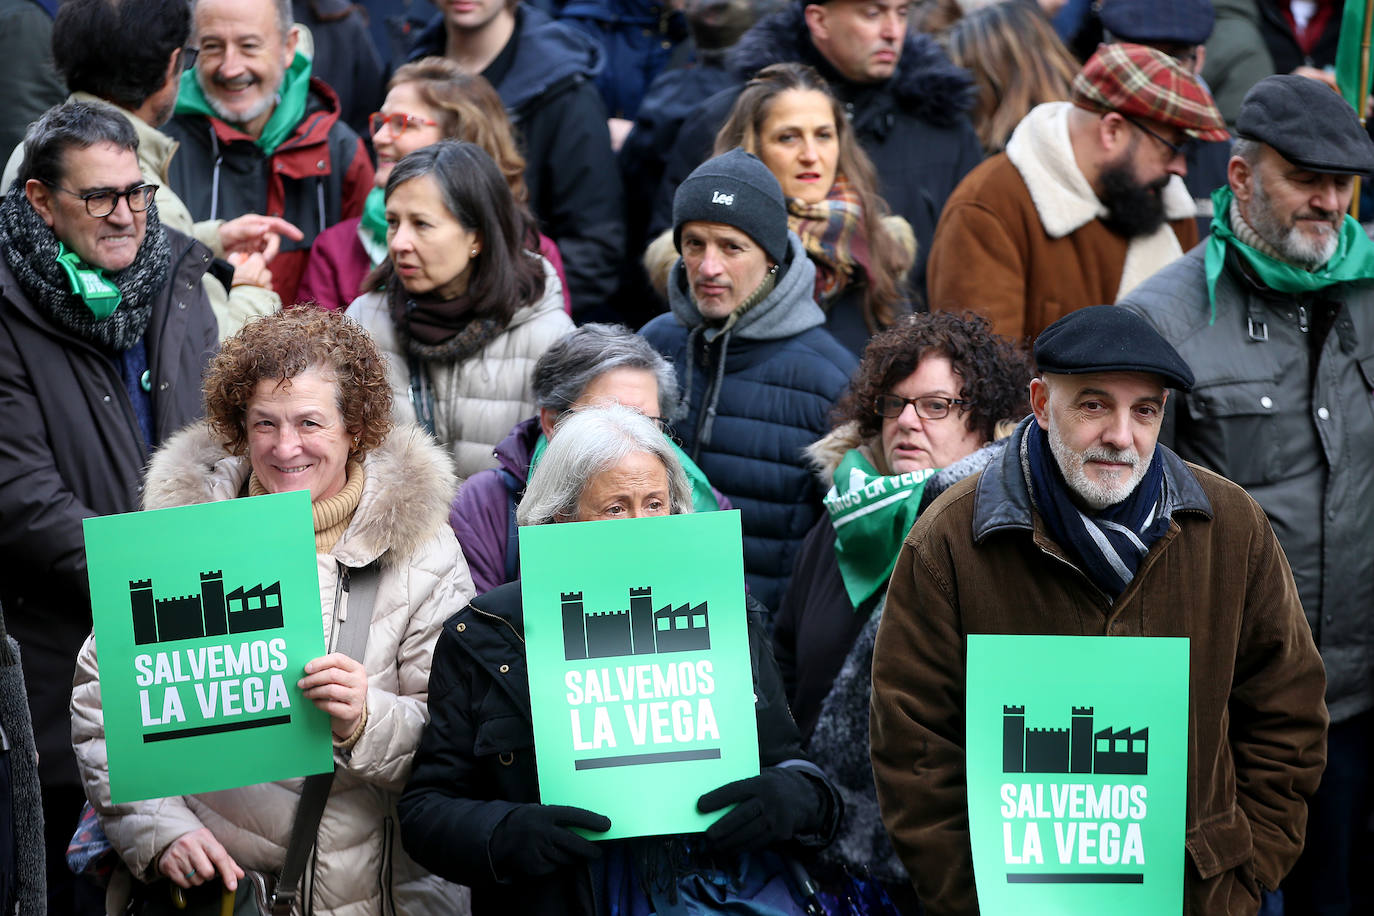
[508, 624]
[340, 606]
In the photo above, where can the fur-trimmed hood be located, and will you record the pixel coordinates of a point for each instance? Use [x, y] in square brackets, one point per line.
[825, 454]
[927, 85]
[410, 485]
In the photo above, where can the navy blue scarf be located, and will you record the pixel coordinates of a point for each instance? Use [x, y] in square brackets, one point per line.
[1107, 545]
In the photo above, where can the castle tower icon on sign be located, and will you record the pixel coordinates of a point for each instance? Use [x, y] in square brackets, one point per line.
[637, 630]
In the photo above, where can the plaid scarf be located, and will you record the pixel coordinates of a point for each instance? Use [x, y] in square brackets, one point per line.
[832, 232]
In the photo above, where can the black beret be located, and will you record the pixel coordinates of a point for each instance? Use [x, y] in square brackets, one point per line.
[1108, 338]
[1145, 22]
[1307, 124]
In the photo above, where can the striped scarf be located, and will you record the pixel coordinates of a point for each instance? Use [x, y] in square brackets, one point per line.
[832, 232]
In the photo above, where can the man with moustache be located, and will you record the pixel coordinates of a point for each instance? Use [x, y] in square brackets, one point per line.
[1087, 201]
[759, 370]
[1276, 315]
[259, 134]
[1086, 526]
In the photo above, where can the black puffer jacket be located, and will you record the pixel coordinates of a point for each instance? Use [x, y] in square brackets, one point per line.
[548, 90]
[72, 450]
[914, 126]
[476, 761]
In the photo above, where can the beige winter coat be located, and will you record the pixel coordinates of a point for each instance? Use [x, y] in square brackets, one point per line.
[359, 868]
[478, 400]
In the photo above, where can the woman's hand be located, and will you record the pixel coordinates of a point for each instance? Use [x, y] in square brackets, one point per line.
[337, 684]
[196, 857]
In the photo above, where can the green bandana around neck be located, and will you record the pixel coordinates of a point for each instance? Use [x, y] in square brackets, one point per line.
[92, 285]
[703, 497]
[1353, 261]
[374, 215]
[871, 514]
[290, 109]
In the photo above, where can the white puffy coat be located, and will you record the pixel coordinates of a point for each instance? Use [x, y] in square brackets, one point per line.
[477, 400]
[359, 868]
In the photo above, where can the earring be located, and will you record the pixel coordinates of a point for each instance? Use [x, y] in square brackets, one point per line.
[474, 252]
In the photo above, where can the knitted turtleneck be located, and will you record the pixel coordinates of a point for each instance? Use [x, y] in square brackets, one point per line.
[331, 515]
[1247, 234]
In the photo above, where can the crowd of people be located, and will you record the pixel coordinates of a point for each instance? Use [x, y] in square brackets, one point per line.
[1015, 317]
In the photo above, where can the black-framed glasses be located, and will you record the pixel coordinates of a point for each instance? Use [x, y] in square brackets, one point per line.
[399, 122]
[1177, 149]
[101, 204]
[928, 407]
[188, 57]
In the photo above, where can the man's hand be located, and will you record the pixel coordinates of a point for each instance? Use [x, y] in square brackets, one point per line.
[250, 270]
[254, 234]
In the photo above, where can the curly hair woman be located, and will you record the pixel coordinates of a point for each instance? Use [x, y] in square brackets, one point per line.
[300, 401]
[922, 412]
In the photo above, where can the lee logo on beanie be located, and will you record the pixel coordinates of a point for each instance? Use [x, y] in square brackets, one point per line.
[719, 197]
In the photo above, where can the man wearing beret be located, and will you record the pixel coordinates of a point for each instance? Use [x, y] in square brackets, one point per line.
[1276, 315]
[1086, 526]
[1086, 202]
[759, 370]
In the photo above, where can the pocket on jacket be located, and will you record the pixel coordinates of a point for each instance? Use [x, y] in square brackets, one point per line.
[1220, 843]
[502, 736]
[1238, 430]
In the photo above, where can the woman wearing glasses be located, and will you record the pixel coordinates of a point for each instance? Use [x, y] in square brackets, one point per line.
[462, 308]
[921, 413]
[427, 100]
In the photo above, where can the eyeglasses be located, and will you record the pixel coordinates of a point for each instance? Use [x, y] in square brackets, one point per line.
[101, 204]
[399, 122]
[928, 407]
[1177, 149]
[188, 57]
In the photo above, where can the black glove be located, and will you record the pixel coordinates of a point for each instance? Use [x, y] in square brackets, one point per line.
[534, 840]
[773, 806]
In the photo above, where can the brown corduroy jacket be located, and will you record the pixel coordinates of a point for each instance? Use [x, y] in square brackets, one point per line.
[980, 561]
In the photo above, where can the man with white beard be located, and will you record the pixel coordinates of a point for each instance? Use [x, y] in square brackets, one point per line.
[1086, 526]
[1275, 313]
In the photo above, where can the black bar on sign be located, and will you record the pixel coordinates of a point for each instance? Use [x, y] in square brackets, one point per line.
[634, 760]
[215, 729]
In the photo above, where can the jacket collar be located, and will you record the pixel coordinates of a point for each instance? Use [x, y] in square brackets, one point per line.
[926, 84]
[1002, 500]
[513, 453]
[1042, 153]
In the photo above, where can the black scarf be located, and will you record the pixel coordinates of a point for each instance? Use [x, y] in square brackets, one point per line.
[439, 330]
[30, 250]
[1107, 545]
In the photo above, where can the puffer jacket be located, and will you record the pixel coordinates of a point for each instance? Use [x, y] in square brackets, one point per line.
[980, 560]
[753, 399]
[1293, 428]
[478, 400]
[358, 867]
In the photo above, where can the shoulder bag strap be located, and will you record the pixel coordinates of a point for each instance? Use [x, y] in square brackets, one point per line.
[361, 587]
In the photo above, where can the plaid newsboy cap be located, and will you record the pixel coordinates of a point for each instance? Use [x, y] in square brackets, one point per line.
[1141, 82]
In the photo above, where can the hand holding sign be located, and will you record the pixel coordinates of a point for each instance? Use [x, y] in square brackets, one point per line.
[195, 857]
[534, 840]
[773, 806]
[337, 684]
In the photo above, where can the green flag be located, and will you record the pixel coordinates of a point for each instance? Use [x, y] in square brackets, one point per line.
[1348, 52]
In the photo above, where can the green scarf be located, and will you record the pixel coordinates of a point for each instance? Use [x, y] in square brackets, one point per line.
[374, 215]
[291, 99]
[1353, 261]
[871, 514]
[703, 497]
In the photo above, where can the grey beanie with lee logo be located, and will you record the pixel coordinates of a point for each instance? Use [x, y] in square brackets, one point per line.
[736, 189]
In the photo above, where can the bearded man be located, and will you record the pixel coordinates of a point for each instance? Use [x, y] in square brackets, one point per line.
[1087, 201]
[1086, 526]
[1276, 315]
[260, 134]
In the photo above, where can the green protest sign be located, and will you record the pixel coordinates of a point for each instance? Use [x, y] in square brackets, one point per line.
[204, 619]
[1077, 751]
[641, 686]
